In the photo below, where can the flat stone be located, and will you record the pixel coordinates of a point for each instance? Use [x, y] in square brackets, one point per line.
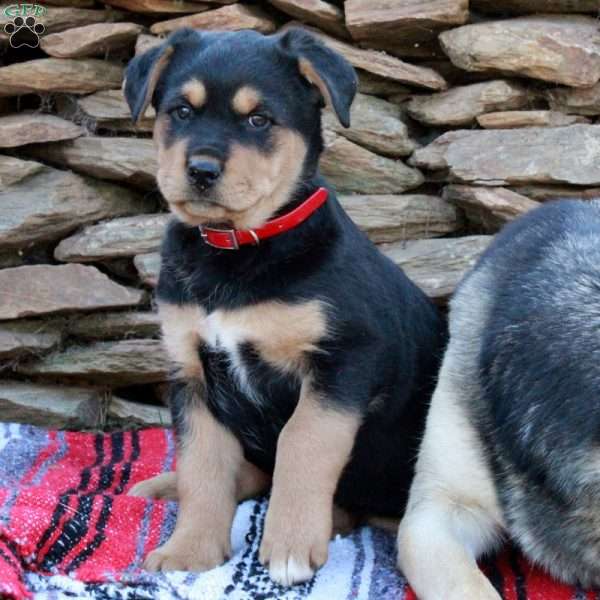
[560, 48]
[489, 207]
[114, 325]
[352, 168]
[45, 203]
[513, 119]
[389, 218]
[579, 101]
[554, 192]
[27, 337]
[535, 6]
[497, 157]
[13, 170]
[126, 236]
[382, 64]
[32, 128]
[148, 267]
[136, 413]
[127, 159]
[108, 110]
[377, 125]
[58, 18]
[228, 18]
[91, 40]
[51, 405]
[324, 15]
[412, 20]
[462, 104]
[72, 75]
[437, 265]
[433, 156]
[123, 362]
[153, 7]
[379, 86]
[44, 289]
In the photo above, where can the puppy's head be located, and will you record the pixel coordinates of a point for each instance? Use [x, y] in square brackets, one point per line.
[238, 118]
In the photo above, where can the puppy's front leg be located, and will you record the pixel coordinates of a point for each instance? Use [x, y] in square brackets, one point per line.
[313, 448]
[208, 470]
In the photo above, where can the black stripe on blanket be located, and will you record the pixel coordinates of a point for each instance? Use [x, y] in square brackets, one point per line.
[77, 527]
[63, 500]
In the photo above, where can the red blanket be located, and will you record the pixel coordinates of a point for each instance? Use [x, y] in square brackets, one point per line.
[64, 511]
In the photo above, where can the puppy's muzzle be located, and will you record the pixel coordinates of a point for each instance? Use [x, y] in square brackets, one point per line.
[203, 173]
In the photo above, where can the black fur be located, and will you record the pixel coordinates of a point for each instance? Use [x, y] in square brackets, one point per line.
[387, 338]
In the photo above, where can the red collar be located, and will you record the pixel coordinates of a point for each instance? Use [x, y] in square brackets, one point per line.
[232, 239]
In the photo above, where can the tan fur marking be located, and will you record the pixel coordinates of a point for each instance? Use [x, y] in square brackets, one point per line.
[195, 92]
[157, 69]
[312, 450]
[171, 174]
[308, 71]
[245, 100]
[181, 329]
[255, 185]
[208, 469]
[282, 333]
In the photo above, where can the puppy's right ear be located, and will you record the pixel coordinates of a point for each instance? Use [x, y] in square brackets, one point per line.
[141, 77]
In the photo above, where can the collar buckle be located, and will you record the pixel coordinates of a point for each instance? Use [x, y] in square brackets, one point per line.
[228, 233]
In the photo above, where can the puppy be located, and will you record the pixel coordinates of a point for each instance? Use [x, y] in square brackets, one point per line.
[303, 353]
[512, 438]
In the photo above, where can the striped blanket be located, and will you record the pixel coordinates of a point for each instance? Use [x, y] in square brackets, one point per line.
[67, 529]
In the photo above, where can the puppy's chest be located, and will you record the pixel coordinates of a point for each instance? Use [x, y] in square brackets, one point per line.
[272, 334]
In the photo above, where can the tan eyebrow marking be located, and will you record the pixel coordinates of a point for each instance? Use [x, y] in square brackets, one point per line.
[245, 100]
[195, 92]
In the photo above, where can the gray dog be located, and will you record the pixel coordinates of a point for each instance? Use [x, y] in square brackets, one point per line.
[512, 442]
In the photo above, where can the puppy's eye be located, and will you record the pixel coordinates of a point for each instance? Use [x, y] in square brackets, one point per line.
[183, 112]
[259, 121]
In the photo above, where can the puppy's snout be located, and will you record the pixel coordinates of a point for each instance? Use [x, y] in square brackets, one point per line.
[203, 173]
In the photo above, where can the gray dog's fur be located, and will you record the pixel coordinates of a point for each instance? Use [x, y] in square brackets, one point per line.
[512, 443]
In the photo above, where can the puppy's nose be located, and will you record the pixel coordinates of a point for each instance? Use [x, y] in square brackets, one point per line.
[203, 173]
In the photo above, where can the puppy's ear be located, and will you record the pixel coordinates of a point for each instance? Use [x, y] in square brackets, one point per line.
[141, 77]
[144, 71]
[327, 70]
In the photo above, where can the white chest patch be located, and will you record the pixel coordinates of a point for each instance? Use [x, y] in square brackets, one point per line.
[222, 335]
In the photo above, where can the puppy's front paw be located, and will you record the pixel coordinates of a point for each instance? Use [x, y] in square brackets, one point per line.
[183, 553]
[294, 543]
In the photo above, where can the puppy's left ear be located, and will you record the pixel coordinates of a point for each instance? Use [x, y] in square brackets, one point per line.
[330, 72]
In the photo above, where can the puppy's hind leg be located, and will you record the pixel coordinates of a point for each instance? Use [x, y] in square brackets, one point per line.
[251, 482]
[452, 516]
[159, 487]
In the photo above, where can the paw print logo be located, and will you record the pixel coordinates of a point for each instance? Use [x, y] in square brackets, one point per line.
[24, 32]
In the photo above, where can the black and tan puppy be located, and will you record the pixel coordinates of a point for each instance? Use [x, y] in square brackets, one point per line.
[304, 353]
[512, 443]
